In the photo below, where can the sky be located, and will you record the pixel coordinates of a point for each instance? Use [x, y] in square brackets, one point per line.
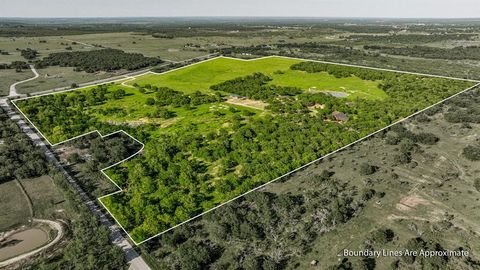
[275, 8]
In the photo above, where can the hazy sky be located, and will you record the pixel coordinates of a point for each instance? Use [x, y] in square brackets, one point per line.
[308, 8]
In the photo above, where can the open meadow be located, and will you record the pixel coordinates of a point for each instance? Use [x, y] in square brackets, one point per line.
[9, 77]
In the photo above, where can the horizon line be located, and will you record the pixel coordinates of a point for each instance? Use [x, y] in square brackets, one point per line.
[238, 17]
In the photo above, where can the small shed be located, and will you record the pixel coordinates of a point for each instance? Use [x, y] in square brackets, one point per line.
[340, 116]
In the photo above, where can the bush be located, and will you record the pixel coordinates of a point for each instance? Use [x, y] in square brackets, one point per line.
[150, 101]
[476, 184]
[402, 158]
[118, 94]
[472, 152]
[367, 169]
[383, 236]
[426, 138]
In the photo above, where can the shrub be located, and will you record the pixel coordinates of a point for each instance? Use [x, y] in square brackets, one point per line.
[367, 169]
[472, 152]
[476, 184]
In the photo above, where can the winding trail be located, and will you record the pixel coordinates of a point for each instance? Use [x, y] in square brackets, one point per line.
[52, 224]
[13, 89]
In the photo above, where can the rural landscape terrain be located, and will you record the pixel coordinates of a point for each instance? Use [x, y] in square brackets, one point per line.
[230, 143]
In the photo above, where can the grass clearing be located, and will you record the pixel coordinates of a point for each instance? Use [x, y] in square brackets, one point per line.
[44, 45]
[55, 77]
[14, 210]
[9, 77]
[46, 198]
[201, 77]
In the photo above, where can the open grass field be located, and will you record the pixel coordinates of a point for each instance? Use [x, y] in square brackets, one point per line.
[9, 77]
[47, 199]
[201, 77]
[44, 45]
[14, 210]
[182, 48]
[56, 77]
[201, 151]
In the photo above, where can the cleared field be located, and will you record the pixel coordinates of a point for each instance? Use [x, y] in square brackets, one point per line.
[14, 210]
[9, 77]
[46, 198]
[201, 77]
[44, 45]
[201, 151]
[55, 77]
[182, 48]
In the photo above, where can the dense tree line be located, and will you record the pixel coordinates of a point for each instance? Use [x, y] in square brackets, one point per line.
[457, 53]
[344, 71]
[87, 243]
[18, 158]
[17, 65]
[28, 53]
[165, 96]
[293, 49]
[464, 108]
[255, 87]
[409, 38]
[99, 60]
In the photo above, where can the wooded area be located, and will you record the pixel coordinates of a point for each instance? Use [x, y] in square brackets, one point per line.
[98, 60]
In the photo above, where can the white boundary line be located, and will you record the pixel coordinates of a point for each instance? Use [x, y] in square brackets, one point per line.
[256, 188]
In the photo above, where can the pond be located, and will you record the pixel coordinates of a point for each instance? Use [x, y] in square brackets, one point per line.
[22, 242]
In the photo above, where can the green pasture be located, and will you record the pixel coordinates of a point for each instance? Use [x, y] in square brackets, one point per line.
[132, 109]
[203, 75]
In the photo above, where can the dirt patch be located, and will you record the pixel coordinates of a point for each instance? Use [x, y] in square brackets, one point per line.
[65, 151]
[395, 217]
[250, 103]
[409, 202]
[337, 94]
[21, 242]
[144, 121]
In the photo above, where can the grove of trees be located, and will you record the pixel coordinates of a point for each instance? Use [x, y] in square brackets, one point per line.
[18, 158]
[98, 60]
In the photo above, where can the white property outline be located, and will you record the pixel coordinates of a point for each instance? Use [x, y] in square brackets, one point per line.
[258, 187]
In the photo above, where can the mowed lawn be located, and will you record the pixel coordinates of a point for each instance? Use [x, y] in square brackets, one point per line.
[203, 75]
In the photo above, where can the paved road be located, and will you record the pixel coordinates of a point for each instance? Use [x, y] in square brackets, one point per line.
[134, 260]
[13, 89]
